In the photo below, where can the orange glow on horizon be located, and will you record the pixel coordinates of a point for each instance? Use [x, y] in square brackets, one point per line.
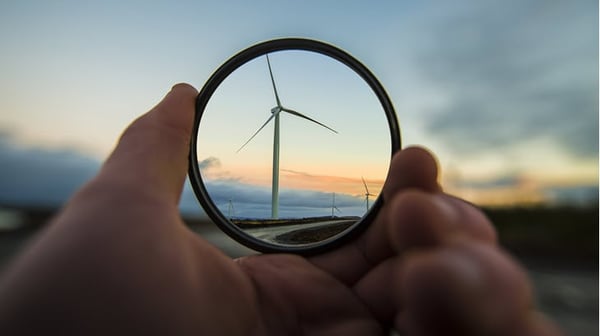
[500, 197]
[519, 191]
[262, 176]
[340, 184]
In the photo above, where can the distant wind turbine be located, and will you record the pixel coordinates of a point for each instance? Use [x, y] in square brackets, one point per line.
[367, 193]
[275, 111]
[230, 209]
[333, 207]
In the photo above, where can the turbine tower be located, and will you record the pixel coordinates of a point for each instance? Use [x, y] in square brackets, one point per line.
[275, 112]
[230, 209]
[367, 193]
[333, 207]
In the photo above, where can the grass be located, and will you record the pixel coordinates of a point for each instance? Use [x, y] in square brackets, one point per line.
[311, 235]
[258, 223]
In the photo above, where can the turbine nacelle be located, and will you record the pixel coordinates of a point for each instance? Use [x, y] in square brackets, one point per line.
[276, 109]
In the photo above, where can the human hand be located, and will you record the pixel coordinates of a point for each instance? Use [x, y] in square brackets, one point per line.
[428, 265]
[119, 259]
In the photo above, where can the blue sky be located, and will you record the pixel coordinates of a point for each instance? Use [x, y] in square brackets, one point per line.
[505, 93]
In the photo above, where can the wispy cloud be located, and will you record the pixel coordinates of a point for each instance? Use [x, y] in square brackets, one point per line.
[515, 71]
[328, 183]
[518, 189]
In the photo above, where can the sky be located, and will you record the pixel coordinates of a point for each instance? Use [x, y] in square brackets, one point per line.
[505, 93]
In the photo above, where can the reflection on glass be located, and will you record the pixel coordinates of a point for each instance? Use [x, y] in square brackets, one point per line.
[294, 147]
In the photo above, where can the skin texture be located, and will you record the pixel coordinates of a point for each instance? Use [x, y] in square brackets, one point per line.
[118, 259]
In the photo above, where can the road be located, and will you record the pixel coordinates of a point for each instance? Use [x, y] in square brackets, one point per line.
[271, 233]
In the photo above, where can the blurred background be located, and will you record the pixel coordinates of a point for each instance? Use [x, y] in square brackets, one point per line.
[504, 92]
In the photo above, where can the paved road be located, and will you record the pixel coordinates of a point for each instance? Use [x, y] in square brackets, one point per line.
[271, 233]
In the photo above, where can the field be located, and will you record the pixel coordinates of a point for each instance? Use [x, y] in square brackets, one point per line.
[569, 234]
[256, 223]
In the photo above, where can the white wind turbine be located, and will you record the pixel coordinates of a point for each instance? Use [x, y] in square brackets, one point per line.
[275, 111]
[367, 193]
[230, 209]
[333, 207]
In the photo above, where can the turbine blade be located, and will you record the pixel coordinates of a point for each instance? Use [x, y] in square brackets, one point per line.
[338, 210]
[298, 114]
[255, 133]
[365, 184]
[273, 81]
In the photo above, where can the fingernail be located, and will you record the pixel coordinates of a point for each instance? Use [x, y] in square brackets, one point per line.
[182, 85]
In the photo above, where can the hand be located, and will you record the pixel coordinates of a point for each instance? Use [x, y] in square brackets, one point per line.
[118, 259]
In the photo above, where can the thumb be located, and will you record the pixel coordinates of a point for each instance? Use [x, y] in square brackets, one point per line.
[151, 157]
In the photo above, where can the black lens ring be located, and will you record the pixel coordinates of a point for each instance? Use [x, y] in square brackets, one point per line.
[206, 93]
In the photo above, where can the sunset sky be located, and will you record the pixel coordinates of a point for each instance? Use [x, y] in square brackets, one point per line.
[504, 92]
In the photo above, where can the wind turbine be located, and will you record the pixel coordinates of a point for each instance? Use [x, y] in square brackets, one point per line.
[230, 209]
[367, 193]
[333, 207]
[275, 112]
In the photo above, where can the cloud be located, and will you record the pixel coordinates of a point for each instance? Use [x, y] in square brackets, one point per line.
[303, 195]
[573, 195]
[508, 181]
[295, 172]
[209, 162]
[38, 176]
[515, 71]
[255, 201]
[355, 186]
[33, 176]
